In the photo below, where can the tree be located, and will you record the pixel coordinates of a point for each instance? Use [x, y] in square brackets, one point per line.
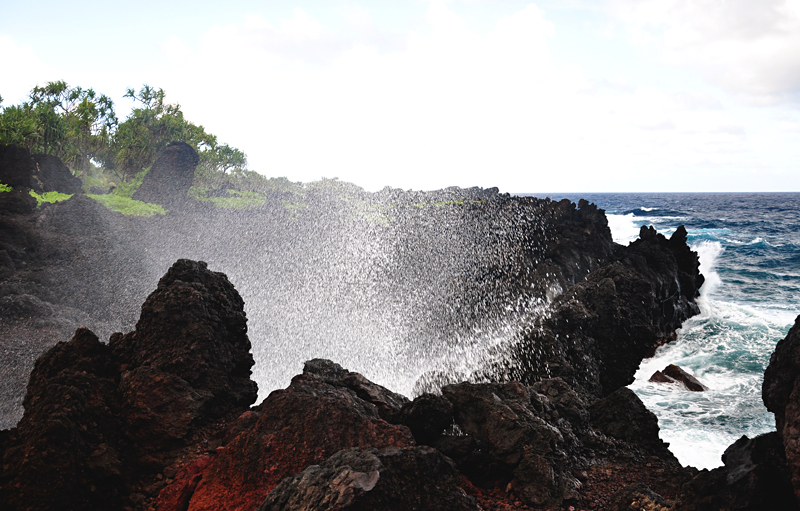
[72, 123]
[80, 127]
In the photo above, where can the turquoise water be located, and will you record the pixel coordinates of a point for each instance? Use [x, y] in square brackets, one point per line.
[749, 247]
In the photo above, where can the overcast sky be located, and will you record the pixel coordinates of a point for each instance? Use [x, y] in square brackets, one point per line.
[552, 96]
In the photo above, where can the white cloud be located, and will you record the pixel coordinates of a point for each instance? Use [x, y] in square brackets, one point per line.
[750, 48]
[22, 70]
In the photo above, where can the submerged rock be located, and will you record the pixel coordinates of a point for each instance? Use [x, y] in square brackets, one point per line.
[675, 374]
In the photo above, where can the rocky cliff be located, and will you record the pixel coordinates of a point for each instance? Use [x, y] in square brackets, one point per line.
[162, 417]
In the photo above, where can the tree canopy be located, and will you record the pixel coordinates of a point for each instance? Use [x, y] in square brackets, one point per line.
[81, 128]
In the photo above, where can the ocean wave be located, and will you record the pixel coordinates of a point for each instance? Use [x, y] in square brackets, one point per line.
[624, 228]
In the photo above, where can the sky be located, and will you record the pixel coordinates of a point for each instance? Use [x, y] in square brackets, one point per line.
[549, 96]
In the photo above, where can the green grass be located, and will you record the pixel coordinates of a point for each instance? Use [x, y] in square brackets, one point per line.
[128, 189]
[237, 199]
[5, 188]
[50, 197]
[128, 206]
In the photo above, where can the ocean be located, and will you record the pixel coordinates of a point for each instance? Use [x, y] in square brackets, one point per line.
[749, 248]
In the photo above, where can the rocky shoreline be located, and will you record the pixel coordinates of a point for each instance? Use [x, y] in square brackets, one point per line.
[162, 417]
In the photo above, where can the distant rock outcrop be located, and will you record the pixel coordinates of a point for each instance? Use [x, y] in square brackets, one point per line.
[675, 374]
[169, 179]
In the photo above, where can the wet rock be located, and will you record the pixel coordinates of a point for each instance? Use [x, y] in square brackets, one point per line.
[755, 477]
[599, 330]
[52, 175]
[518, 431]
[388, 403]
[169, 179]
[65, 452]
[302, 425]
[675, 374]
[781, 395]
[386, 479]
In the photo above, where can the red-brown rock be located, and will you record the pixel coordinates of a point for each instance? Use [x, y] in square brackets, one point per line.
[300, 426]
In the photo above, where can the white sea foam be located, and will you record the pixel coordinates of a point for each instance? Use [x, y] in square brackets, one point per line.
[624, 228]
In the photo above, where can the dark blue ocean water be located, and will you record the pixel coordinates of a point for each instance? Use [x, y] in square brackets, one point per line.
[749, 247]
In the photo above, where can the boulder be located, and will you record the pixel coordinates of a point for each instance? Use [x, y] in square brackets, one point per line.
[53, 176]
[169, 179]
[193, 328]
[675, 374]
[389, 479]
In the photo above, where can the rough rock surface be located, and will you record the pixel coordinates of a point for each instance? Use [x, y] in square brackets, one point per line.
[781, 394]
[319, 414]
[754, 477]
[53, 176]
[389, 479]
[675, 374]
[595, 335]
[102, 421]
[170, 177]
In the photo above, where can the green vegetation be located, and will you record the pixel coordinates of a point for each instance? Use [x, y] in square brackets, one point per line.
[5, 188]
[81, 128]
[128, 206]
[50, 197]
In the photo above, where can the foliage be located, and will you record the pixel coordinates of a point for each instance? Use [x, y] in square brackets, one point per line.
[5, 188]
[80, 127]
[72, 123]
[154, 124]
[128, 206]
[128, 188]
[51, 197]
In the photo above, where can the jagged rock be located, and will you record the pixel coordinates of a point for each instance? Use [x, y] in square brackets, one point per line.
[193, 327]
[388, 403]
[169, 179]
[781, 395]
[388, 479]
[315, 417]
[520, 432]
[622, 415]
[675, 374]
[53, 176]
[102, 420]
[17, 202]
[598, 332]
[755, 477]
[65, 452]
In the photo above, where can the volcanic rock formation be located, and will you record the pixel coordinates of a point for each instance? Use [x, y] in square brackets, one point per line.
[169, 179]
